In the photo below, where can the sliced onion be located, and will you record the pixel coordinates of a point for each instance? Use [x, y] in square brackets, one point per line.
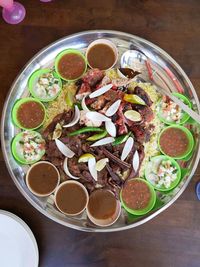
[104, 141]
[127, 148]
[92, 169]
[136, 161]
[64, 149]
[66, 170]
[101, 91]
[75, 119]
[96, 116]
[84, 107]
[113, 108]
[111, 128]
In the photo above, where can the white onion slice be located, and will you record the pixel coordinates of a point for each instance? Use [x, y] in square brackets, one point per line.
[113, 108]
[84, 107]
[101, 91]
[136, 161]
[75, 119]
[96, 116]
[104, 141]
[111, 128]
[92, 169]
[66, 170]
[127, 148]
[64, 149]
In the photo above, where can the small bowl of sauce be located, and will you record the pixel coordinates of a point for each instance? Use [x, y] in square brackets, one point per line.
[71, 198]
[28, 113]
[102, 54]
[103, 208]
[70, 64]
[176, 141]
[138, 196]
[42, 178]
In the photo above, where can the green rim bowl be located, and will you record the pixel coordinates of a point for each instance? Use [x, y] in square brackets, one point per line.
[190, 139]
[185, 117]
[174, 163]
[69, 51]
[33, 80]
[15, 109]
[151, 202]
[19, 157]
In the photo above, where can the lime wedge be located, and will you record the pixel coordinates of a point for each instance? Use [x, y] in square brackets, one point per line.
[135, 99]
[85, 157]
[101, 164]
[133, 115]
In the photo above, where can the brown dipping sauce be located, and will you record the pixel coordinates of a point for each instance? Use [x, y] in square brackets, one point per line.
[71, 198]
[42, 178]
[174, 142]
[71, 66]
[30, 114]
[102, 204]
[136, 194]
[101, 56]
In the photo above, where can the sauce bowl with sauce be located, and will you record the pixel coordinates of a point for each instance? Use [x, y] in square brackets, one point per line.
[28, 113]
[102, 54]
[70, 64]
[42, 178]
[103, 208]
[138, 196]
[71, 198]
[176, 142]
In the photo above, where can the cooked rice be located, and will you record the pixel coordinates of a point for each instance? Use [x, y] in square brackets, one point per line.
[151, 148]
[59, 105]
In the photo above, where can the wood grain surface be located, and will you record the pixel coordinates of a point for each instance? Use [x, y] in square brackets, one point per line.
[173, 238]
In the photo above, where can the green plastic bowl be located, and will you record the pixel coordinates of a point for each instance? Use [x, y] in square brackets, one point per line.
[174, 163]
[151, 202]
[17, 105]
[185, 117]
[190, 138]
[18, 156]
[69, 51]
[33, 80]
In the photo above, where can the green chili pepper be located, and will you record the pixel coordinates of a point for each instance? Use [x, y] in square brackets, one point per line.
[97, 136]
[79, 105]
[85, 130]
[121, 139]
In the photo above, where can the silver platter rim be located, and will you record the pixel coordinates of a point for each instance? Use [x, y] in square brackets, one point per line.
[4, 150]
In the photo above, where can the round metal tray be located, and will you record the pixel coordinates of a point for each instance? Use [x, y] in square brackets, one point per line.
[45, 58]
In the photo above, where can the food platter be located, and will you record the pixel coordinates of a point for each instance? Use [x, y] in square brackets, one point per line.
[162, 63]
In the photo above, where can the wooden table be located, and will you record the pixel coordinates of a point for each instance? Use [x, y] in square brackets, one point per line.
[173, 238]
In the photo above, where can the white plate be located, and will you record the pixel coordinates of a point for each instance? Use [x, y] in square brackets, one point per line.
[18, 247]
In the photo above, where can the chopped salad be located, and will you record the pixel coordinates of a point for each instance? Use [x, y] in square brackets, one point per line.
[30, 146]
[161, 173]
[170, 111]
[47, 86]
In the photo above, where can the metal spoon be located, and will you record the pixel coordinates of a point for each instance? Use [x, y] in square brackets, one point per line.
[132, 58]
